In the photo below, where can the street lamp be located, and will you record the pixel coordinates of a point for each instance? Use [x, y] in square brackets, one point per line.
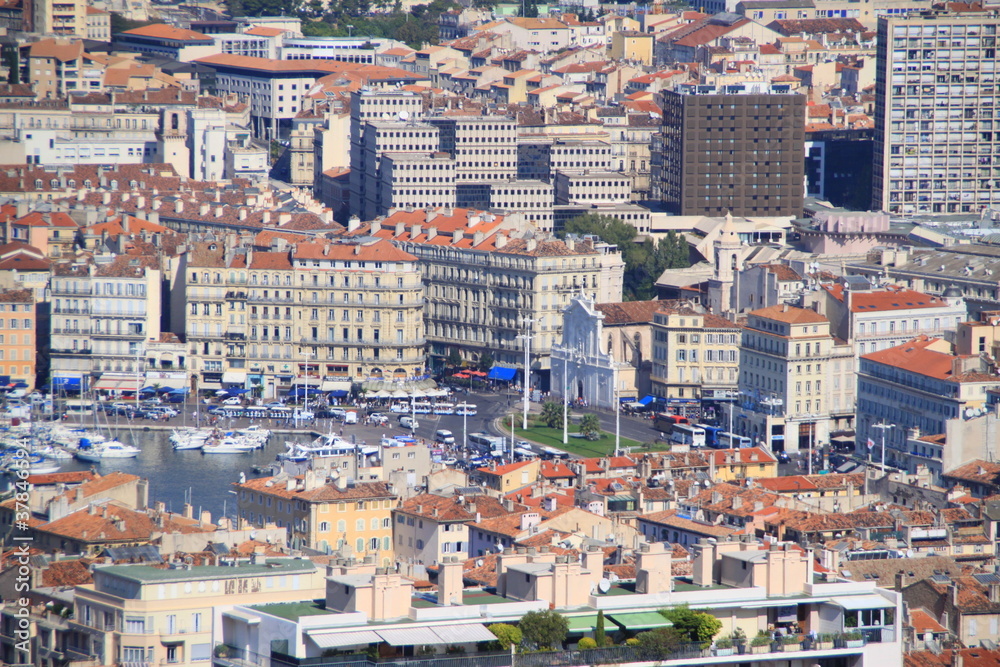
[138, 373]
[882, 426]
[526, 337]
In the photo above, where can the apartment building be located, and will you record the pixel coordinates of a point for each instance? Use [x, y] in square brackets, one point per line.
[483, 282]
[786, 361]
[60, 17]
[429, 528]
[340, 312]
[920, 384]
[141, 614]
[484, 149]
[532, 200]
[695, 355]
[57, 66]
[734, 148]
[327, 515]
[102, 315]
[161, 39]
[877, 319]
[415, 180]
[591, 187]
[933, 143]
[18, 331]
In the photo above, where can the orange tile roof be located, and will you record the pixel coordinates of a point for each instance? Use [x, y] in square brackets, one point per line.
[378, 251]
[795, 483]
[790, 314]
[505, 469]
[263, 31]
[71, 477]
[900, 299]
[914, 356]
[322, 493]
[744, 455]
[168, 32]
[271, 65]
[57, 49]
[555, 470]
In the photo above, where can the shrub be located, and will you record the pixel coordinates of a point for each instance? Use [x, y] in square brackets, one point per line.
[725, 642]
[661, 641]
[507, 635]
[739, 637]
[600, 638]
[695, 626]
[544, 628]
[853, 636]
[631, 641]
[791, 639]
[760, 640]
[586, 643]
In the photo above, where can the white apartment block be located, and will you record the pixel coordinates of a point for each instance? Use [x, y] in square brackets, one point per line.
[591, 187]
[416, 180]
[532, 199]
[935, 145]
[485, 151]
[383, 138]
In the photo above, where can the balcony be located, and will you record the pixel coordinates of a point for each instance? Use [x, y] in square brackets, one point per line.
[66, 291]
[236, 295]
[71, 311]
[75, 332]
[85, 350]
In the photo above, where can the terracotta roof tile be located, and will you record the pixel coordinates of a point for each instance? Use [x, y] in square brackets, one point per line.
[168, 32]
[322, 493]
[790, 314]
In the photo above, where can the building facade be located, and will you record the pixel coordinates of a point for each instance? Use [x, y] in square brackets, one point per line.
[735, 149]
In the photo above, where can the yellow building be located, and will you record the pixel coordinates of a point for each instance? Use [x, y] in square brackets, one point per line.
[145, 615]
[633, 46]
[695, 355]
[747, 463]
[17, 336]
[510, 477]
[328, 516]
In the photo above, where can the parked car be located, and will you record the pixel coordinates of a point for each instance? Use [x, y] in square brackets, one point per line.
[406, 421]
[232, 400]
[274, 404]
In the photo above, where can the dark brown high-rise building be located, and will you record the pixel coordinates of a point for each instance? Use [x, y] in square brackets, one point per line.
[732, 151]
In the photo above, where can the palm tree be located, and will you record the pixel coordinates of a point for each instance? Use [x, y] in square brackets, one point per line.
[590, 426]
[552, 414]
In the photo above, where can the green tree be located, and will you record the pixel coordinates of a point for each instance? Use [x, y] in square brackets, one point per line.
[120, 24]
[454, 357]
[586, 643]
[599, 637]
[697, 626]
[507, 635]
[660, 642]
[530, 9]
[552, 414]
[485, 361]
[13, 67]
[544, 629]
[590, 426]
[644, 260]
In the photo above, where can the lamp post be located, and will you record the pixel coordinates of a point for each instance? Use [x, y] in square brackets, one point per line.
[882, 426]
[526, 336]
[138, 374]
[614, 397]
[566, 352]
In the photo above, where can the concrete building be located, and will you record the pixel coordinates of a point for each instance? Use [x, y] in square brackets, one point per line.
[591, 187]
[427, 528]
[761, 171]
[160, 39]
[916, 168]
[918, 385]
[532, 200]
[415, 180]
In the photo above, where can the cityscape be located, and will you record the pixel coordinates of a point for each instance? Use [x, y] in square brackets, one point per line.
[476, 333]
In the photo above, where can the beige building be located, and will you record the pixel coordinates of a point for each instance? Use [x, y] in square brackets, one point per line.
[98, 24]
[483, 282]
[340, 515]
[18, 344]
[632, 45]
[60, 17]
[57, 66]
[786, 367]
[312, 312]
[695, 355]
[140, 614]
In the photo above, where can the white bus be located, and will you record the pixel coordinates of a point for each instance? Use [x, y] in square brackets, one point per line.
[686, 434]
[444, 408]
[467, 409]
[732, 441]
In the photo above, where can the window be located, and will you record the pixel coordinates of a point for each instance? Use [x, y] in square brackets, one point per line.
[196, 622]
[359, 545]
[359, 524]
[201, 652]
[135, 625]
[324, 526]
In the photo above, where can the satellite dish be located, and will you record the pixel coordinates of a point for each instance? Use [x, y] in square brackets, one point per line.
[604, 585]
[969, 413]
[612, 577]
[404, 115]
[253, 534]
[479, 562]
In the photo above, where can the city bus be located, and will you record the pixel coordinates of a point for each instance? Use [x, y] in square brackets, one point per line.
[685, 434]
[664, 422]
[732, 441]
[711, 434]
[486, 444]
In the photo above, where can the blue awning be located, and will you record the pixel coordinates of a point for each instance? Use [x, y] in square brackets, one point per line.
[646, 400]
[501, 373]
[21, 385]
[179, 390]
[148, 390]
[4, 380]
[299, 391]
[236, 392]
[66, 382]
[338, 393]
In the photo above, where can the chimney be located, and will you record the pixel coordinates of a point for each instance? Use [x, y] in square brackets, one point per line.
[400, 229]
[432, 232]
[188, 511]
[179, 206]
[415, 231]
[218, 211]
[450, 581]
[265, 218]
[206, 518]
[354, 222]
[456, 236]
[203, 210]
[242, 215]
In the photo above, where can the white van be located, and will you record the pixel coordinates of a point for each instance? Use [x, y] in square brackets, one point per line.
[350, 417]
[445, 437]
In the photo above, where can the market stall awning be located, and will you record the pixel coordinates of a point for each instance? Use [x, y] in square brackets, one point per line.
[646, 400]
[162, 383]
[307, 382]
[415, 636]
[640, 620]
[336, 385]
[501, 373]
[582, 623]
[106, 384]
[463, 634]
[338, 639]
[234, 377]
[857, 602]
